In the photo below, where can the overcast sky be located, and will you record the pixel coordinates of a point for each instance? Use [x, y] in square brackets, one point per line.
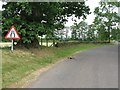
[91, 3]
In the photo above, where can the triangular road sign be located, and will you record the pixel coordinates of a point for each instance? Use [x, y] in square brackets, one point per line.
[12, 34]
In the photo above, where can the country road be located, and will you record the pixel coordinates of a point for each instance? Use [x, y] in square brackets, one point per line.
[95, 68]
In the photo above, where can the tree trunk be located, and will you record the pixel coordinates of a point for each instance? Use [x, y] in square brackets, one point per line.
[53, 42]
[46, 41]
[41, 41]
[109, 34]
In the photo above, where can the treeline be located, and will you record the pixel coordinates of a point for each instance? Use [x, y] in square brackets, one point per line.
[105, 26]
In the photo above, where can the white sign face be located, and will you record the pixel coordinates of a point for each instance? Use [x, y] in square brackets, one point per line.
[12, 34]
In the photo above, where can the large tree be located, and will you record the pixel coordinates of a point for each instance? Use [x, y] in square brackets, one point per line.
[33, 19]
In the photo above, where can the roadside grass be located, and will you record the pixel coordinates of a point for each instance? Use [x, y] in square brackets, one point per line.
[20, 63]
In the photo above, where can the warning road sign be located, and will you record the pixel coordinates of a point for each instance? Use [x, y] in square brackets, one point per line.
[12, 34]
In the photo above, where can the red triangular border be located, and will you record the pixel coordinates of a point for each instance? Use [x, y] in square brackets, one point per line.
[16, 33]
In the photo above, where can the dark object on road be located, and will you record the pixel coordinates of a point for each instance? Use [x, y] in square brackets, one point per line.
[70, 58]
[95, 68]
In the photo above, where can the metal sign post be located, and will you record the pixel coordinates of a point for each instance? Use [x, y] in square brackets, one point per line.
[12, 45]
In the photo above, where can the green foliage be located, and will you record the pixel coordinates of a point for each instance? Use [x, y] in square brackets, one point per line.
[106, 20]
[79, 30]
[91, 33]
[33, 19]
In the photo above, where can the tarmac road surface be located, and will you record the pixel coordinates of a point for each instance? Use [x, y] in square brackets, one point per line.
[95, 68]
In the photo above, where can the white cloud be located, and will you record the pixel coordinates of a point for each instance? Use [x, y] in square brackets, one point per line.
[1, 3]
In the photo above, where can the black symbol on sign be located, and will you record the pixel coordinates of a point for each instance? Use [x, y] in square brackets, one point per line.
[12, 34]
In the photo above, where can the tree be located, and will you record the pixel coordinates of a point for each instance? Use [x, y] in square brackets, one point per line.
[74, 32]
[106, 19]
[32, 19]
[91, 33]
[79, 30]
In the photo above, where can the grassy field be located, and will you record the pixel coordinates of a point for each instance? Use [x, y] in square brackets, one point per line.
[21, 63]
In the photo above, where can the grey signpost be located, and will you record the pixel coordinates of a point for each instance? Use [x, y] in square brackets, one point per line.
[12, 35]
[12, 45]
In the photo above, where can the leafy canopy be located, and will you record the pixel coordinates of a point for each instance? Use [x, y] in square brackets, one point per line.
[33, 19]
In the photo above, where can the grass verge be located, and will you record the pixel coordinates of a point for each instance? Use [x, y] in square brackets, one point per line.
[21, 63]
